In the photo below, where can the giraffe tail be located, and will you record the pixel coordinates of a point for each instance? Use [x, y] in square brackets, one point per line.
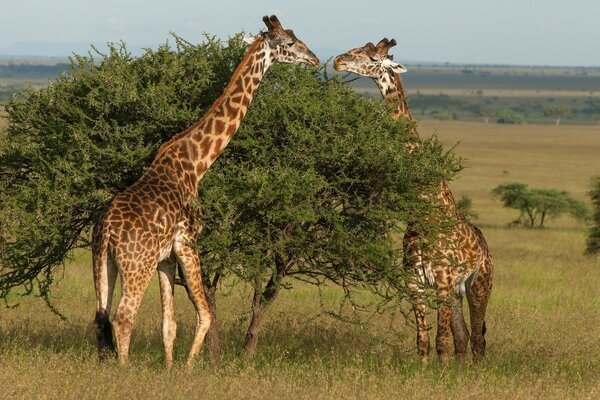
[104, 335]
[102, 282]
[483, 331]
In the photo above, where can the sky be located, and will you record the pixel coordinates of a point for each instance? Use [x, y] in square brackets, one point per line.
[516, 32]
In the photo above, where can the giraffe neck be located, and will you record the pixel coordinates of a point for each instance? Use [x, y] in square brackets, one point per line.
[192, 152]
[391, 88]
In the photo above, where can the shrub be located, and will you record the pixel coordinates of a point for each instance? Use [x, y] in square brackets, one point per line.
[593, 239]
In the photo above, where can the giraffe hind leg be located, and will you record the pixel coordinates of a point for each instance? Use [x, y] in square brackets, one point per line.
[166, 276]
[460, 333]
[478, 297]
[190, 264]
[132, 291]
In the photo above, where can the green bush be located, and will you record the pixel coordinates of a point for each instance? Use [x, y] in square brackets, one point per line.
[593, 239]
[508, 116]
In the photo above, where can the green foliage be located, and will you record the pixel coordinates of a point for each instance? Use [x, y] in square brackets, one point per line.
[592, 107]
[593, 239]
[465, 208]
[536, 205]
[508, 116]
[313, 185]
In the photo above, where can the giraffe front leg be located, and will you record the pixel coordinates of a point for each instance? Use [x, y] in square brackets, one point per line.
[423, 346]
[166, 276]
[190, 264]
[442, 340]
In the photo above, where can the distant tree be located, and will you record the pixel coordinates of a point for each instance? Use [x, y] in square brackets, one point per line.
[557, 111]
[441, 115]
[486, 113]
[593, 239]
[592, 107]
[435, 102]
[465, 207]
[508, 116]
[537, 205]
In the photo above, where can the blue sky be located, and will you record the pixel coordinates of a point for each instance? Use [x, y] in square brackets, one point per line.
[522, 32]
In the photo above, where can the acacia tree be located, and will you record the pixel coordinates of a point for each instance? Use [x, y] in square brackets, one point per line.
[322, 179]
[593, 239]
[557, 111]
[536, 205]
[314, 184]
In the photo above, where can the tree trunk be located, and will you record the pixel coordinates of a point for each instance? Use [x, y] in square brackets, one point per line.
[260, 303]
[531, 218]
[542, 219]
[213, 344]
[557, 121]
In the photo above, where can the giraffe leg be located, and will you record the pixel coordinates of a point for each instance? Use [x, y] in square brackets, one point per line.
[460, 333]
[478, 296]
[190, 264]
[423, 345]
[166, 277]
[444, 317]
[132, 291]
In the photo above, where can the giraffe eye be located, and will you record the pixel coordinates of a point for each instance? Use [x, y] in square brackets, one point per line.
[372, 58]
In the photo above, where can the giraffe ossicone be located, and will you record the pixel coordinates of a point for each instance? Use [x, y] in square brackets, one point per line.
[153, 224]
[457, 261]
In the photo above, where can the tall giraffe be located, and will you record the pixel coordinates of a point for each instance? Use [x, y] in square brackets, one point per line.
[152, 224]
[457, 261]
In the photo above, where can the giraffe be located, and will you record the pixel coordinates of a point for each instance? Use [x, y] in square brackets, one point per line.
[152, 224]
[457, 262]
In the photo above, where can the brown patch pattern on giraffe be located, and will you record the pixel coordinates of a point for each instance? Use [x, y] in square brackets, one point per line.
[458, 261]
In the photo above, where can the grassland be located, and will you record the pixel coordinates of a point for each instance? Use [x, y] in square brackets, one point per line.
[542, 321]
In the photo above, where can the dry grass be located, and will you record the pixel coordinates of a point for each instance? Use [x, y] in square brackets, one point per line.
[543, 318]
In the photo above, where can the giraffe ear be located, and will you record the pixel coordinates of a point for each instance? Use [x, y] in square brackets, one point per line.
[250, 39]
[397, 68]
[394, 66]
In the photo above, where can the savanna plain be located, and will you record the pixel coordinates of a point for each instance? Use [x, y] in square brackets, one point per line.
[543, 320]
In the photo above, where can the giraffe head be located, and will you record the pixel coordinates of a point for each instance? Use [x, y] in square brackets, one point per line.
[370, 60]
[284, 45]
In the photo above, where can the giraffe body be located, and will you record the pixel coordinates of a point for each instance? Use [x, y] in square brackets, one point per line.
[153, 225]
[457, 261]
